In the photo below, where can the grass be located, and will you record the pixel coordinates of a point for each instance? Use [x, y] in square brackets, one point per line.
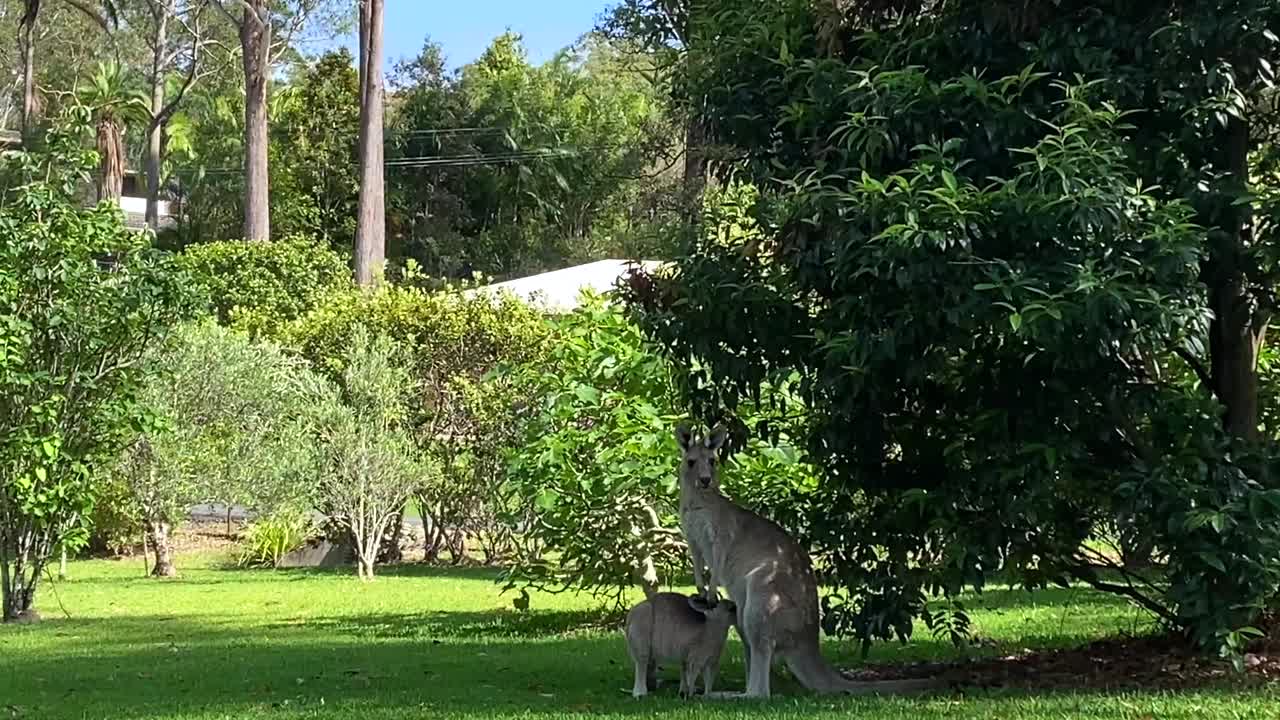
[221, 643]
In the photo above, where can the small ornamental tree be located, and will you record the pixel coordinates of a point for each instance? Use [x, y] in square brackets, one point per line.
[230, 418]
[370, 464]
[450, 340]
[81, 298]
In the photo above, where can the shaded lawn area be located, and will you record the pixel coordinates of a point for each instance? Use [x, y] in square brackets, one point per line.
[420, 642]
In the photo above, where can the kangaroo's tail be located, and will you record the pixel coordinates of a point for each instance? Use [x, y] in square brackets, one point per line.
[817, 675]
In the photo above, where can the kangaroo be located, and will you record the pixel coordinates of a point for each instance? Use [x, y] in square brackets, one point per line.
[671, 626]
[767, 574]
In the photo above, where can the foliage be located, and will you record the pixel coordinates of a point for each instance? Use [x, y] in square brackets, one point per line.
[451, 339]
[258, 287]
[596, 460]
[596, 463]
[315, 121]
[268, 539]
[370, 463]
[576, 149]
[999, 267]
[115, 526]
[231, 423]
[80, 298]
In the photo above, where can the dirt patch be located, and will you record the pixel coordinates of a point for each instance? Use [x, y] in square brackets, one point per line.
[1156, 662]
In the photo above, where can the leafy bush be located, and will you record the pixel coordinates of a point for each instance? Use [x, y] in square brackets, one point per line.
[80, 297]
[257, 286]
[115, 526]
[269, 538]
[451, 340]
[370, 465]
[230, 420]
[596, 465]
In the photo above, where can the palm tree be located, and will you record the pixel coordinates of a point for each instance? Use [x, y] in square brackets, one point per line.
[115, 102]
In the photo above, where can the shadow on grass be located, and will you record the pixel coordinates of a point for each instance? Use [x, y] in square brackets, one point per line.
[434, 664]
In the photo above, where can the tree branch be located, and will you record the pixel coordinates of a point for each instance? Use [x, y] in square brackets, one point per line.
[107, 24]
[1196, 366]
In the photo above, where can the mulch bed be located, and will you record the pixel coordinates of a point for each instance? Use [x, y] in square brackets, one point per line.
[1155, 662]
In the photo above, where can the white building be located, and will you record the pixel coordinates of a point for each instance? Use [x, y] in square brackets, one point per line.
[559, 290]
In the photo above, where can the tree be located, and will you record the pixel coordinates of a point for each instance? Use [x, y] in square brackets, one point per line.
[230, 417]
[371, 227]
[1024, 295]
[663, 30]
[371, 465]
[315, 176]
[508, 167]
[27, 50]
[114, 101]
[171, 52]
[267, 29]
[80, 299]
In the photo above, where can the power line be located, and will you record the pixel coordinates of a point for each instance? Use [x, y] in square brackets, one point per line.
[428, 161]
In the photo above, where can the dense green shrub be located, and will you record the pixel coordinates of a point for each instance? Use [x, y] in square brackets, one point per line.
[257, 286]
[596, 464]
[230, 421]
[80, 298]
[450, 339]
[115, 526]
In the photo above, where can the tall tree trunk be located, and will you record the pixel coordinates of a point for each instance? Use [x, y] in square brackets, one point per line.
[155, 130]
[27, 50]
[110, 143]
[159, 533]
[1239, 326]
[371, 225]
[695, 164]
[255, 45]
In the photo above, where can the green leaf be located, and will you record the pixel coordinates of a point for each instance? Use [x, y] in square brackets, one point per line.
[546, 500]
[1015, 320]
[1212, 561]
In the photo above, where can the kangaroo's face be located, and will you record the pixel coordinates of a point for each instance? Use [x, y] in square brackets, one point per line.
[698, 462]
[722, 614]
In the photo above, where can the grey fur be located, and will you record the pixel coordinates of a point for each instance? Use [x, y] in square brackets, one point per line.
[767, 574]
[670, 626]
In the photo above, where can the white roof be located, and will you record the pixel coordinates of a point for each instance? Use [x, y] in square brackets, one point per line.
[559, 290]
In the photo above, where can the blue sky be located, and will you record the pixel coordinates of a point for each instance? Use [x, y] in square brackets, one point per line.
[465, 27]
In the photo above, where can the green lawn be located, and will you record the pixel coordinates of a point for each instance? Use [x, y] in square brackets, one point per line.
[220, 643]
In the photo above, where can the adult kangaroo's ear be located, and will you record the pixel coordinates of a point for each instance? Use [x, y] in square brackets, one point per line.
[716, 439]
[700, 604]
[684, 436]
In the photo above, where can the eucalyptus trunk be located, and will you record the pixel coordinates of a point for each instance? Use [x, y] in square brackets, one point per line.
[371, 225]
[27, 51]
[255, 45]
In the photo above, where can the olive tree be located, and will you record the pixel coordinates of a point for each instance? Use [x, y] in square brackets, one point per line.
[229, 417]
[370, 463]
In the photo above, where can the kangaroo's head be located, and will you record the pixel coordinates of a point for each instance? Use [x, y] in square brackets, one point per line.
[722, 614]
[698, 467]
